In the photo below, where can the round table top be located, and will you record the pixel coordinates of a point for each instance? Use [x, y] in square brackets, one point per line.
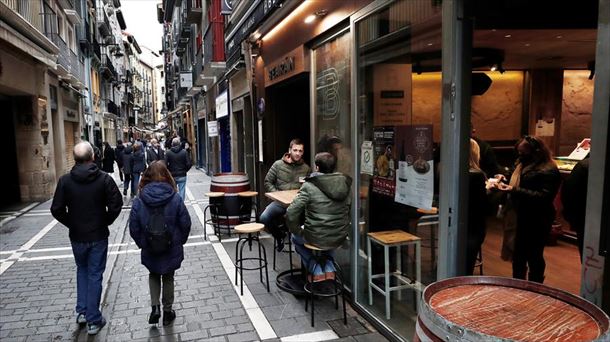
[215, 194]
[249, 228]
[247, 193]
[315, 248]
[432, 211]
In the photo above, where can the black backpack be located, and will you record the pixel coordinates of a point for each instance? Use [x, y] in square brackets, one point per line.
[158, 236]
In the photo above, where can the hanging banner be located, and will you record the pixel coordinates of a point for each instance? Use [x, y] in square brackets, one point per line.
[415, 176]
[385, 166]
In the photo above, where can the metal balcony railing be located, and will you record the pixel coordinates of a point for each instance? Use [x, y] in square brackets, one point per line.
[31, 11]
[194, 11]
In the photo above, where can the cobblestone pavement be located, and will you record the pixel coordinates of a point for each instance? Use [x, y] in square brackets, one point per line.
[38, 288]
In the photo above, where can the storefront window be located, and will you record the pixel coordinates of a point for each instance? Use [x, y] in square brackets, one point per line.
[331, 70]
[399, 104]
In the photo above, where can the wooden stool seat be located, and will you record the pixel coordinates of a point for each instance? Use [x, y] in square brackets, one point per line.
[316, 248]
[215, 194]
[391, 237]
[247, 194]
[432, 211]
[248, 228]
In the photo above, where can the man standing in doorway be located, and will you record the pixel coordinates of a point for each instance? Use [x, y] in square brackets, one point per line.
[87, 201]
[154, 152]
[284, 174]
[178, 162]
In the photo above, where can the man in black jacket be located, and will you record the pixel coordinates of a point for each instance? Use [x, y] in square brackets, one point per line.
[178, 162]
[87, 201]
[154, 152]
[118, 156]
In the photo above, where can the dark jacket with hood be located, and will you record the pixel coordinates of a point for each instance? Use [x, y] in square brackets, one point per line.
[178, 161]
[284, 174]
[87, 201]
[324, 200]
[177, 219]
[128, 160]
[118, 155]
[108, 160]
[139, 162]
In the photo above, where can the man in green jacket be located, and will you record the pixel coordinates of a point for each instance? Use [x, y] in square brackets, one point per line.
[324, 201]
[284, 174]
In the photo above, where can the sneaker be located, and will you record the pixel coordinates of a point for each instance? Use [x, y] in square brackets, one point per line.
[81, 319]
[168, 317]
[94, 328]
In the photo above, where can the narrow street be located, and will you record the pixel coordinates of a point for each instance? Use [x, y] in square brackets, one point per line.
[38, 288]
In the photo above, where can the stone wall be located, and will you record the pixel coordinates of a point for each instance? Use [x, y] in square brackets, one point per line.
[496, 115]
[576, 110]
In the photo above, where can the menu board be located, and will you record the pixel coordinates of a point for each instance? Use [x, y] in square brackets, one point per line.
[582, 150]
[392, 94]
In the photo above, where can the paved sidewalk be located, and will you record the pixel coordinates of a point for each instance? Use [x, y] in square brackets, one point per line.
[38, 289]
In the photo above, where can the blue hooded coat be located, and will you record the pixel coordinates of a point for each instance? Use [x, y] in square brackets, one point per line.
[177, 218]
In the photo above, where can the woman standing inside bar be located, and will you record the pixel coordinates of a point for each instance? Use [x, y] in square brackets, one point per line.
[532, 188]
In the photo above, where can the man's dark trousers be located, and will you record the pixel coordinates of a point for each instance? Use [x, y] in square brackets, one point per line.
[90, 260]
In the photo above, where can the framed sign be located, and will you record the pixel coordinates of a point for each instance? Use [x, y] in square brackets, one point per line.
[222, 105]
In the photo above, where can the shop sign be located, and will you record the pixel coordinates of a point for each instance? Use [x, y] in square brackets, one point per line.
[212, 129]
[289, 65]
[222, 105]
[201, 114]
[226, 7]
[186, 80]
[71, 115]
[392, 94]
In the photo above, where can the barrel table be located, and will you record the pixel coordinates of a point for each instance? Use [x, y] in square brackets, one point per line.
[504, 309]
[231, 184]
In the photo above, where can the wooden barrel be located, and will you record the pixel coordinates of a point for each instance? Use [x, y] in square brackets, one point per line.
[504, 309]
[231, 184]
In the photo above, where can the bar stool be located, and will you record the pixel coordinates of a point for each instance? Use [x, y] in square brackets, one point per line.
[315, 289]
[253, 230]
[215, 209]
[247, 206]
[429, 219]
[479, 262]
[287, 241]
[387, 239]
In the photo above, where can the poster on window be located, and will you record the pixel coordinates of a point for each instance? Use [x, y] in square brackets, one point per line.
[392, 94]
[415, 174]
[384, 161]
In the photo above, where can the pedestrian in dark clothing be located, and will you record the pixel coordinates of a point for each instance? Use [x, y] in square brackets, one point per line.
[574, 200]
[108, 160]
[478, 205]
[158, 190]
[118, 155]
[154, 152]
[87, 201]
[97, 156]
[532, 189]
[138, 166]
[127, 170]
[178, 163]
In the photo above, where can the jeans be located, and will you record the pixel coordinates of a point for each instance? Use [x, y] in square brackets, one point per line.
[135, 182]
[308, 259]
[270, 216]
[90, 258]
[154, 284]
[181, 184]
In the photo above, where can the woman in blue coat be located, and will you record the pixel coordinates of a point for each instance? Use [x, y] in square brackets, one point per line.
[158, 190]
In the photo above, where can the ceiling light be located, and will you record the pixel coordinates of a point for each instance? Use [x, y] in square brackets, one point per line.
[527, 44]
[430, 44]
[559, 37]
[507, 36]
[494, 67]
[310, 19]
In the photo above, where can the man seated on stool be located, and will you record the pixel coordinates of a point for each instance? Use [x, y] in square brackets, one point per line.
[324, 201]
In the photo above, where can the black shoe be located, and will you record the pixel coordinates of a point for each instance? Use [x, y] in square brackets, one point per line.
[279, 244]
[125, 192]
[155, 314]
[168, 317]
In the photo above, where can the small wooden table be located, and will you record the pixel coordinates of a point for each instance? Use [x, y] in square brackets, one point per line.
[387, 239]
[284, 197]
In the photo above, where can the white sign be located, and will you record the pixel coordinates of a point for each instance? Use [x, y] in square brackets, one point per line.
[186, 80]
[367, 158]
[212, 129]
[222, 105]
[260, 141]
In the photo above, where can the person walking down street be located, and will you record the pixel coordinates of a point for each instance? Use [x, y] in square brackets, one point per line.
[532, 189]
[97, 156]
[159, 205]
[108, 159]
[118, 155]
[324, 202]
[138, 166]
[178, 163]
[154, 152]
[87, 201]
[284, 174]
[127, 169]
